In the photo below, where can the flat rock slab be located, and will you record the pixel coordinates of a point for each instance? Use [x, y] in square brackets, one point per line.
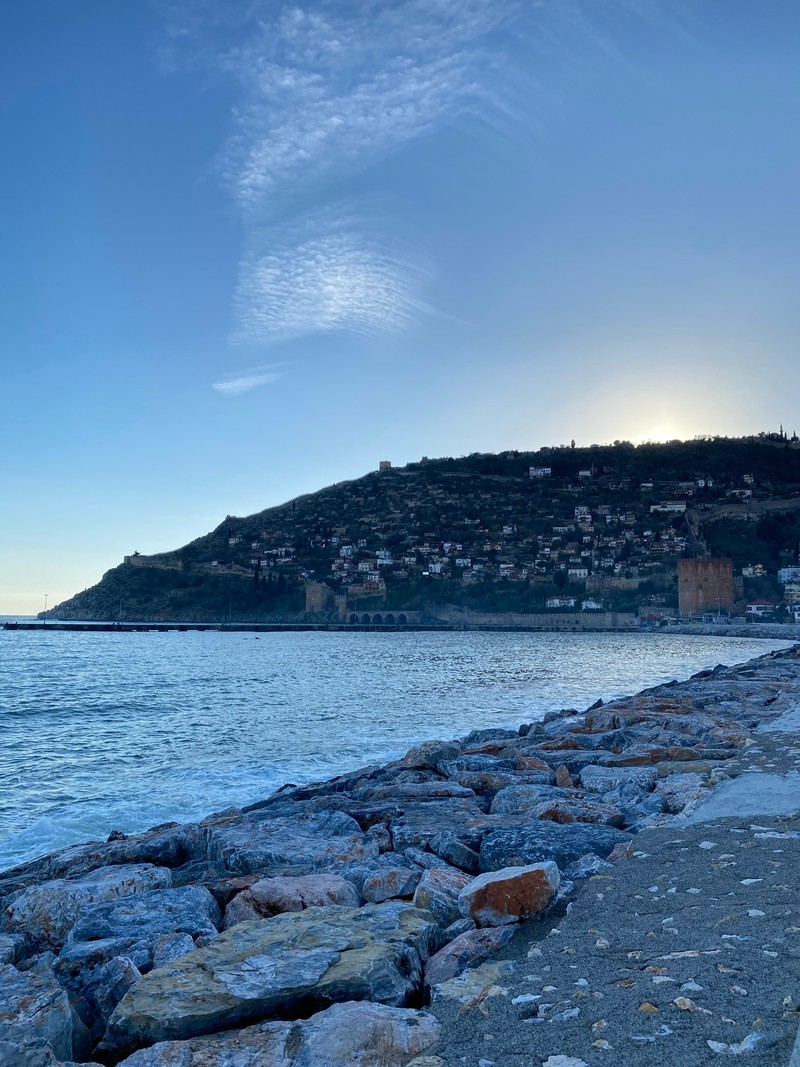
[356, 1034]
[560, 843]
[47, 912]
[189, 910]
[283, 966]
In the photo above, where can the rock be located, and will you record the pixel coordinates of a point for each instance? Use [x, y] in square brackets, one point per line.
[149, 916]
[475, 985]
[47, 912]
[168, 845]
[426, 860]
[286, 964]
[273, 896]
[469, 949]
[563, 777]
[356, 1033]
[542, 841]
[438, 892]
[679, 790]
[455, 852]
[33, 1052]
[114, 979]
[430, 754]
[564, 811]
[390, 883]
[34, 1007]
[509, 895]
[12, 947]
[291, 845]
[171, 947]
[421, 791]
[413, 825]
[529, 763]
[604, 779]
[586, 867]
[517, 799]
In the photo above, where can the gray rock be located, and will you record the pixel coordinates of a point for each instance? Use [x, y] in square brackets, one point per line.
[171, 947]
[438, 892]
[257, 969]
[679, 790]
[12, 947]
[149, 916]
[516, 799]
[114, 979]
[565, 811]
[455, 852]
[357, 1034]
[604, 779]
[33, 1007]
[524, 845]
[47, 912]
[292, 845]
[415, 824]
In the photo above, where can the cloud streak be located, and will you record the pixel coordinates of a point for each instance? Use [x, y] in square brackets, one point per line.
[246, 380]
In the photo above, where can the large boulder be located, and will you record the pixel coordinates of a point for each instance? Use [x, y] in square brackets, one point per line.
[34, 1007]
[284, 965]
[113, 942]
[46, 913]
[356, 1033]
[428, 754]
[498, 898]
[521, 846]
[291, 845]
[273, 896]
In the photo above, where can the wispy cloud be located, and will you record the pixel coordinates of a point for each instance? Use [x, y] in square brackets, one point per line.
[244, 381]
[327, 88]
[326, 274]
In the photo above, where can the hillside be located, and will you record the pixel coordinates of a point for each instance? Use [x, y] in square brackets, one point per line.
[601, 525]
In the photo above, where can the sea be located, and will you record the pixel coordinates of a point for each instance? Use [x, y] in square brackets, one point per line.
[122, 731]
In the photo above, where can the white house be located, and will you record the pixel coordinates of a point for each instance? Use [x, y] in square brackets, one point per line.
[789, 574]
[540, 472]
[759, 608]
[560, 602]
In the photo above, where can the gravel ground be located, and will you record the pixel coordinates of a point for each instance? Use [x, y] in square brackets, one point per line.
[684, 953]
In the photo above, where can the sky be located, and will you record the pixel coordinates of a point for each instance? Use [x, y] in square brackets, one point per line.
[250, 249]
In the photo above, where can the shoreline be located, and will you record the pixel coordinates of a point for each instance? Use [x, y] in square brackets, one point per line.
[414, 855]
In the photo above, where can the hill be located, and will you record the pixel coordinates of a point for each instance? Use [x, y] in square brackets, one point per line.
[512, 531]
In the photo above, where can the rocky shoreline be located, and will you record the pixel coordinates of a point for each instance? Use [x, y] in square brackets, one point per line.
[468, 904]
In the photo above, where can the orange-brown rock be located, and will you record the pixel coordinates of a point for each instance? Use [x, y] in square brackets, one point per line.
[509, 895]
[564, 778]
[530, 763]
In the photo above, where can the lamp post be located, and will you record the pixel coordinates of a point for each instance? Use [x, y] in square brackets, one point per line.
[44, 620]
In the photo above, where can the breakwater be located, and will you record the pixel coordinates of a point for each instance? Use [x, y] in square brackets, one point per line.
[379, 917]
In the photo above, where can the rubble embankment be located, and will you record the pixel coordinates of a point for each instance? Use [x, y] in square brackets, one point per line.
[606, 886]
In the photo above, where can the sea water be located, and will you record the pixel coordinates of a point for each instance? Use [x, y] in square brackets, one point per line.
[105, 731]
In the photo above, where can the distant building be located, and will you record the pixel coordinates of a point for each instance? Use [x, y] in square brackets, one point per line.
[540, 472]
[759, 609]
[789, 574]
[705, 584]
[385, 465]
[319, 597]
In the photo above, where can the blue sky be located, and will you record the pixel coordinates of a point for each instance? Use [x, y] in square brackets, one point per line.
[253, 248]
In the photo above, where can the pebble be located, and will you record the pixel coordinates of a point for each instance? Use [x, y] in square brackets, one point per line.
[725, 1049]
[707, 844]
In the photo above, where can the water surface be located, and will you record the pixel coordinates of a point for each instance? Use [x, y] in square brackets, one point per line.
[103, 731]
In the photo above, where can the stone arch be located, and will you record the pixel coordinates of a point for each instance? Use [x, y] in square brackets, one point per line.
[402, 619]
[365, 619]
[389, 620]
[377, 620]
